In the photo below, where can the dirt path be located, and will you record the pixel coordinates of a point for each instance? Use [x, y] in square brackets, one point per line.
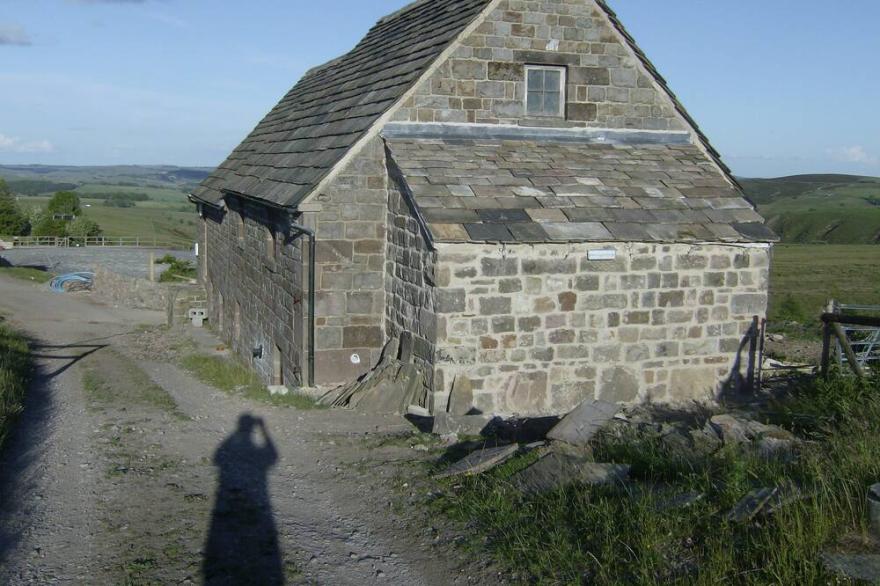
[125, 469]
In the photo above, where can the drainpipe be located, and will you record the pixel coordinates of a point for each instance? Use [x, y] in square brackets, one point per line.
[302, 230]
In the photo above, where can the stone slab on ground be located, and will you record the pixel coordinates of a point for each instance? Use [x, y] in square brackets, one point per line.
[738, 430]
[449, 424]
[752, 504]
[581, 424]
[480, 461]
[863, 567]
[556, 470]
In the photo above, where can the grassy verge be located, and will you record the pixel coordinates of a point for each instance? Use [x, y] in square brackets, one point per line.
[122, 382]
[232, 377]
[27, 274]
[15, 372]
[621, 535]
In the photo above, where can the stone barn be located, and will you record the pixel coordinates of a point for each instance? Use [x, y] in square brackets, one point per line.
[510, 185]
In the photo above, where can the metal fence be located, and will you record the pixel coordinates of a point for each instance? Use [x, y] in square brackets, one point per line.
[855, 330]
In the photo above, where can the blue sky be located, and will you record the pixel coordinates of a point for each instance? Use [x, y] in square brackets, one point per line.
[781, 87]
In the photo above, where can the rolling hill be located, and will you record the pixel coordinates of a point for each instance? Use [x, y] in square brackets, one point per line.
[832, 209]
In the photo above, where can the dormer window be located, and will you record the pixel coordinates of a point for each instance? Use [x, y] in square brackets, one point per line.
[545, 91]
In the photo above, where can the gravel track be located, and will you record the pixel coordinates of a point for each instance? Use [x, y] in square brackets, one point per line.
[108, 488]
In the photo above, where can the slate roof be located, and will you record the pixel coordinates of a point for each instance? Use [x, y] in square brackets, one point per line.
[324, 115]
[491, 190]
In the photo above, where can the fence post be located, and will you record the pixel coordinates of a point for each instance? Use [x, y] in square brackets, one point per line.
[826, 341]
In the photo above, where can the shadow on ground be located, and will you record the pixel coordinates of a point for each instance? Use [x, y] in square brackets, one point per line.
[242, 543]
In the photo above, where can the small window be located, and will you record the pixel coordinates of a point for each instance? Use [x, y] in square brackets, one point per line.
[545, 91]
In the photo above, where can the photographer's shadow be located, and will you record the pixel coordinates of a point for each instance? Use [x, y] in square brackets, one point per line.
[242, 545]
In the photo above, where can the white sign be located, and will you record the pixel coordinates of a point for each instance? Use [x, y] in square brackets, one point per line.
[604, 254]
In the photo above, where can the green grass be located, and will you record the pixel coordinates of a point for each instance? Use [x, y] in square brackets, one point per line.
[15, 374]
[804, 277]
[834, 209]
[619, 535]
[230, 376]
[27, 274]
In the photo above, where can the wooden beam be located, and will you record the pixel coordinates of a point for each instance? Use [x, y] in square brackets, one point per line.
[853, 320]
[847, 349]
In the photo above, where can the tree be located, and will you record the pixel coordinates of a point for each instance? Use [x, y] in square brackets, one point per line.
[83, 227]
[12, 221]
[65, 203]
[47, 226]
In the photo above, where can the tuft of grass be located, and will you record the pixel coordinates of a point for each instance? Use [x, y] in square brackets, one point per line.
[27, 274]
[15, 374]
[621, 534]
[232, 377]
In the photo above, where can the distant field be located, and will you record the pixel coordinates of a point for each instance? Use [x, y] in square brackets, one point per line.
[834, 209]
[165, 222]
[804, 277]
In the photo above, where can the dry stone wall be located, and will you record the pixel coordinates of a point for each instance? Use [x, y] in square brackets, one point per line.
[255, 300]
[537, 329]
[484, 82]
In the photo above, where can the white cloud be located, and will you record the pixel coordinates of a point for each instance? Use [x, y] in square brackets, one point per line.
[14, 35]
[854, 154]
[12, 144]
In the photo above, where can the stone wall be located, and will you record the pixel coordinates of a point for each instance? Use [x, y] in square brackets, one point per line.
[484, 82]
[350, 297]
[537, 329]
[174, 299]
[409, 280]
[255, 299]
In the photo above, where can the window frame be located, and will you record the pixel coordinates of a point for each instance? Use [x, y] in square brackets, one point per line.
[563, 82]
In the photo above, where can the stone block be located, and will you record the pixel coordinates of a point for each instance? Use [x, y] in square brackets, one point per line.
[451, 300]
[333, 251]
[506, 71]
[329, 303]
[749, 304]
[618, 385]
[495, 305]
[362, 337]
[499, 267]
[544, 266]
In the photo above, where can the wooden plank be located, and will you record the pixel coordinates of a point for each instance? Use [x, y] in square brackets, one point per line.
[826, 349]
[847, 349]
[853, 320]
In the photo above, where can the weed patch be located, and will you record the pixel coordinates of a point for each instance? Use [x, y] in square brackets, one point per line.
[230, 376]
[27, 274]
[15, 374]
[625, 534]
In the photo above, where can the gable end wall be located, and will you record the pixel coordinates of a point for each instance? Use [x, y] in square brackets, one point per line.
[484, 81]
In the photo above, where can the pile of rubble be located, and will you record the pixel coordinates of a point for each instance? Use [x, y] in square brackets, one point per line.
[566, 457]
